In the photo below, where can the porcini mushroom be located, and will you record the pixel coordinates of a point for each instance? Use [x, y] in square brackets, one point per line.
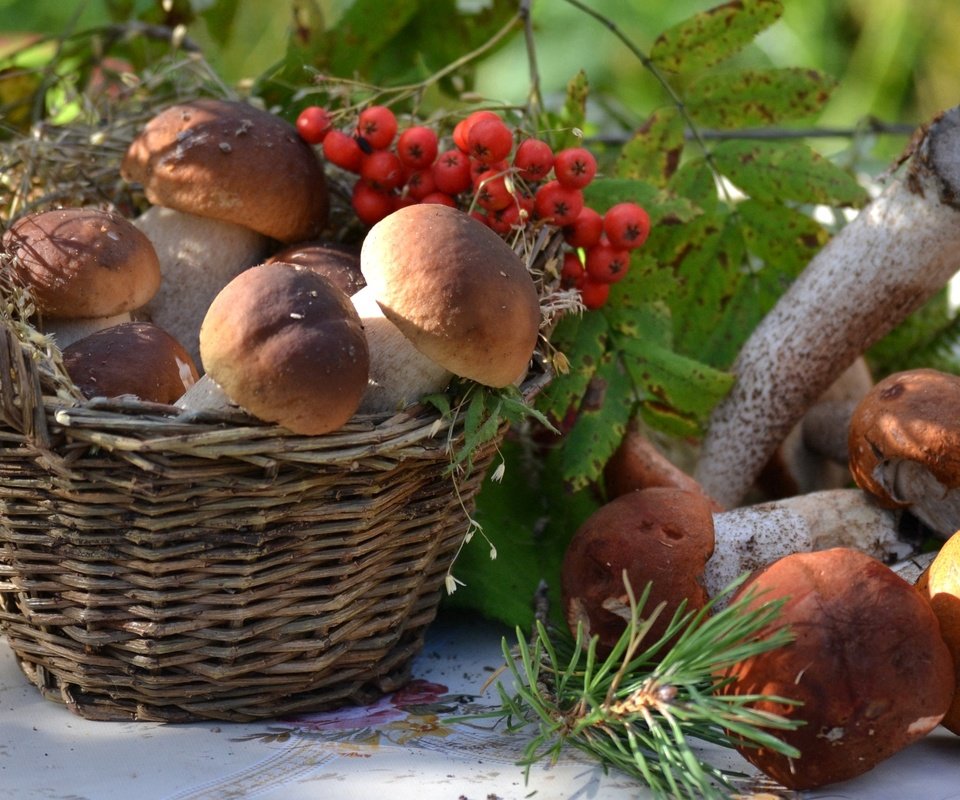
[867, 665]
[132, 358]
[904, 444]
[85, 268]
[230, 178]
[896, 254]
[456, 290]
[287, 346]
[338, 262]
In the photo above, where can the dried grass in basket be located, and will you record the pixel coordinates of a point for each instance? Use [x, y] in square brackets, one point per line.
[160, 566]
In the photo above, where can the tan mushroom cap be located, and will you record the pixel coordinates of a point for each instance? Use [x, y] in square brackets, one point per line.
[82, 263]
[456, 290]
[908, 417]
[136, 358]
[233, 162]
[287, 346]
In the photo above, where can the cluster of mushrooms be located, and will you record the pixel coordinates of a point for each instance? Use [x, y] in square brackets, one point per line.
[229, 291]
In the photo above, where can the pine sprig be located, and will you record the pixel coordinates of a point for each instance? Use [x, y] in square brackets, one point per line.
[642, 708]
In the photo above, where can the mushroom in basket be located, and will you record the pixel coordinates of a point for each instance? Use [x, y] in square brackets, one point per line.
[225, 179]
[85, 268]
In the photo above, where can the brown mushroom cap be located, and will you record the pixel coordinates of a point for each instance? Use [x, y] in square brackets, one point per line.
[137, 358]
[288, 346]
[338, 262]
[909, 416]
[456, 290]
[867, 662]
[661, 536]
[234, 162]
[82, 263]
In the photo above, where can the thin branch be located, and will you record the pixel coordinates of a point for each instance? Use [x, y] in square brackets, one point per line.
[875, 127]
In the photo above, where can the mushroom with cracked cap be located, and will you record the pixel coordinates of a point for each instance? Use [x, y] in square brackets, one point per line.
[86, 268]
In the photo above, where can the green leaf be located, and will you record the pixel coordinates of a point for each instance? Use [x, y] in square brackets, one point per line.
[573, 115]
[362, 33]
[695, 181]
[782, 238]
[712, 36]
[757, 97]
[673, 382]
[219, 18]
[653, 152]
[661, 205]
[583, 340]
[601, 422]
[776, 172]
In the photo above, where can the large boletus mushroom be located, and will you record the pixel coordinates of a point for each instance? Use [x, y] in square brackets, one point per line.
[287, 346]
[662, 536]
[867, 665]
[456, 290]
[904, 446]
[226, 180]
[86, 268]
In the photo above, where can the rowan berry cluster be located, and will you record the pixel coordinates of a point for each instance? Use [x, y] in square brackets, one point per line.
[501, 181]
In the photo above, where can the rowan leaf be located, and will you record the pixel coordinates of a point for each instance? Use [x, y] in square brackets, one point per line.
[653, 152]
[582, 339]
[783, 238]
[662, 206]
[711, 36]
[601, 422]
[787, 171]
[757, 97]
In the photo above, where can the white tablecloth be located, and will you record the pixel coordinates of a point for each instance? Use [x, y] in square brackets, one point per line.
[403, 746]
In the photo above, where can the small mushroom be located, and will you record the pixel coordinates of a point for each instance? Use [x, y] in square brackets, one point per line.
[85, 268]
[867, 665]
[132, 358]
[905, 446]
[287, 346]
[662, 536]
[456, 290]
[225, 180]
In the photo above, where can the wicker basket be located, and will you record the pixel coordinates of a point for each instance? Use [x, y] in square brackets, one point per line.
[156, 567]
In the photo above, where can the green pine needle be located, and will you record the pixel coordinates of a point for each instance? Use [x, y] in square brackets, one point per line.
[642, 708]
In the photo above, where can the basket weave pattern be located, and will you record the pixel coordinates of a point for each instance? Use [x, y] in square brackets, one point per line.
[157, 567]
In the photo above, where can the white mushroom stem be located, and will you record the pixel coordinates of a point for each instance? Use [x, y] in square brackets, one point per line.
[894, 256]
[751, 537]
[67, 331]
[198, 257]
[399, 373]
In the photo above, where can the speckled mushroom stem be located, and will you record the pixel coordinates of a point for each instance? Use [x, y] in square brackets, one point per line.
[896, 254]
[750, 537]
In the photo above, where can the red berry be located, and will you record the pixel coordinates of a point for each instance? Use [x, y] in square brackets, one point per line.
[342, 149]
[492, 193]
[534, 159]
[572, 273]
[420, 183]
[462, 129]
[451, 172]
[558, 204]
[585, 230]
[377, 125]
[417, 146]
[440, 197]
[313, 124]
[489, 140]
[626, 225]
[593, 294]
[606, 263]
[574, 167]
[382, 170]
[371, 205]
